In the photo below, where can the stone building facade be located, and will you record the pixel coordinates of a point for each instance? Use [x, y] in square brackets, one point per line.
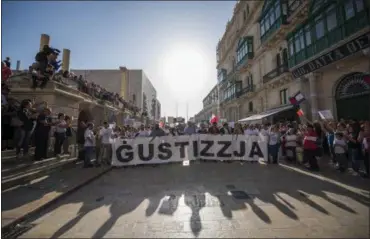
[133, 85]
[210, 106]
[273, 49]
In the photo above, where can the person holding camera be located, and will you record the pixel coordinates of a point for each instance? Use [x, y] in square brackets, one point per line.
[42, 69]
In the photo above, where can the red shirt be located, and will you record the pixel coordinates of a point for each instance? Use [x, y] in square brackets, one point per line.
[309, 141]
[5, 73]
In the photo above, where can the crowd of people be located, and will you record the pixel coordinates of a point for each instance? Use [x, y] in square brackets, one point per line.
[46, 68]
[28, 123]
[346, 143]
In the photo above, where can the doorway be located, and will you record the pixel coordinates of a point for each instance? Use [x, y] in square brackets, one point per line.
[352, 97]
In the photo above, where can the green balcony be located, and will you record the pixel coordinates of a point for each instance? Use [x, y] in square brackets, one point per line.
[343, 30]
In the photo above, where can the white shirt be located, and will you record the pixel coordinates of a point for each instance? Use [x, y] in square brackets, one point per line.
[264, 132]
[143, 133]
[251, 132]
[366, 145]
[273, 139]
[3, 100]
[89, 138]
[337, 149]
[59, 129]
[291, 140]
[106, 134]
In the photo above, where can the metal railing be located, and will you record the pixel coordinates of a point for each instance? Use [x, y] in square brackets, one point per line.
[275, 73]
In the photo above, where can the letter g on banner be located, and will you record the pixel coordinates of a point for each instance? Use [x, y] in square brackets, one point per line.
[125, 153]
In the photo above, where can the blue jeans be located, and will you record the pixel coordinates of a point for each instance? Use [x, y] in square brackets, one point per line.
[89, 153]
[354, 155]
[22, 140]
[273, 151]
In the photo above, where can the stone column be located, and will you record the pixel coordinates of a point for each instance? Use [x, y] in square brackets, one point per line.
[18, 65]
[312, 80]
[44, 40]
[65, 60]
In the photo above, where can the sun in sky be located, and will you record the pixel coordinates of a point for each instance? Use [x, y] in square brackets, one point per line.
[184, 69]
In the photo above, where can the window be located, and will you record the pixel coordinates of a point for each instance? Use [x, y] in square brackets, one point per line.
[308, 35]
[359, 5]
[249, 80]
[291, 47]
[349, 10]
[244, 15]
[301, 39]
[247, 9]
[267, 23]
[262, 27]
[297, 43]
[272, 16]
[331, 18]
[244, 49]
[250, 106]
[283, 97]
[320, 30]
[277, 9]
[134, 98]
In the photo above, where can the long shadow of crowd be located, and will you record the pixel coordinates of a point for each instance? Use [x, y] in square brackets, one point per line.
[171, 188]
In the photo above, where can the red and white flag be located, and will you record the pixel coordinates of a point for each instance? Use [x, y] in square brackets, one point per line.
[297, 98]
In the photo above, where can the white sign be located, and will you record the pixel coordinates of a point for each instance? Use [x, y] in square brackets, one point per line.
[182, 148]
[326, 115]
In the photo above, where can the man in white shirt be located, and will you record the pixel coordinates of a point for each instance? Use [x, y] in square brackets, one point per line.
[251, 130]
[89, 145]
[106, 148]
[142, 132]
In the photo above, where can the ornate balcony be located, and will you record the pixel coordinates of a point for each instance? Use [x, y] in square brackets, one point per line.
[296, 12]
[246, 90]
[275, 73]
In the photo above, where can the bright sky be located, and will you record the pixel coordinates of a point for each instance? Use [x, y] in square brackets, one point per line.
[173, 42]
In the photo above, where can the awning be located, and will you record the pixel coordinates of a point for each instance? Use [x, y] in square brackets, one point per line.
[267, 113]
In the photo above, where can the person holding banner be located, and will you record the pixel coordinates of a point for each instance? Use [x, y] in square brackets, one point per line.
[273, 144]
[142, 132]
[106, 135]
[225, 129]
[214, 129]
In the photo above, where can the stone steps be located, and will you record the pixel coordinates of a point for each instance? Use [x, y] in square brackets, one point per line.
[8, 155]
[25, 171]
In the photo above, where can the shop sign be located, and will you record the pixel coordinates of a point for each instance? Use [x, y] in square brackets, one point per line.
[337, 54]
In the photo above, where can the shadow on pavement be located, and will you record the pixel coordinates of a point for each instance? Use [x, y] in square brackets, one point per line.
[123, 190]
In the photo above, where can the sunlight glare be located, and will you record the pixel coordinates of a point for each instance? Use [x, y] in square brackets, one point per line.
[184, 72]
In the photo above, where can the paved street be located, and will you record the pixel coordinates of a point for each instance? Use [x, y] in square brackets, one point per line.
[211, 200]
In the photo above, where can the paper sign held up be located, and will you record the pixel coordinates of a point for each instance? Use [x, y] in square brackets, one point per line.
[326, 115]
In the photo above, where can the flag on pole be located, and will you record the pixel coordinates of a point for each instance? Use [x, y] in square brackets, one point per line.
[367, 79]
[161, 124]
[297, 98]
[300, 112]
[213, 119]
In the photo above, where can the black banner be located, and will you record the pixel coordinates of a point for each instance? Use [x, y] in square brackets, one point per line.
[337, 54]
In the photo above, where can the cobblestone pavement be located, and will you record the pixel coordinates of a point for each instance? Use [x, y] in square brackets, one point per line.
[211, 200]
